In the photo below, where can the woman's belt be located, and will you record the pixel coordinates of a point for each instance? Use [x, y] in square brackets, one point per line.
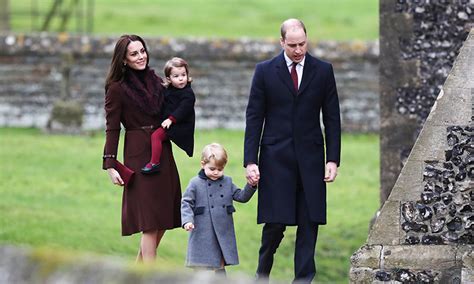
[140, 128]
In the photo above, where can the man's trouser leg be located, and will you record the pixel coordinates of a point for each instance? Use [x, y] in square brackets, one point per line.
[272, 234]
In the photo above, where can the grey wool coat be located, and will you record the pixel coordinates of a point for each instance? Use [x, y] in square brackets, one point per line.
[209, 206]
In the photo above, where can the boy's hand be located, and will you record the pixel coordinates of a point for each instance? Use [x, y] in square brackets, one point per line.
[253, 183]
[166, 123]
[189, 226]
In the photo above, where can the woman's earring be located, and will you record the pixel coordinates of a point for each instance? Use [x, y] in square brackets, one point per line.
[124, 64]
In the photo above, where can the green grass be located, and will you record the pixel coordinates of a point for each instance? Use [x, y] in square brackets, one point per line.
[55, 195]
[325, 19]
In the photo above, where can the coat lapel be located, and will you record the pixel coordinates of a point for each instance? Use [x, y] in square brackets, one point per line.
[308, 72]
[284, 74]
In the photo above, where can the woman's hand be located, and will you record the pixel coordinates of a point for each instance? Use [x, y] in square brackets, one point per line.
[115, 176]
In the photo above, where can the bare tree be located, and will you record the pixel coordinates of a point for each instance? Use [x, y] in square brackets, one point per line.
[4, 16]
[66, 15]
[54, 8]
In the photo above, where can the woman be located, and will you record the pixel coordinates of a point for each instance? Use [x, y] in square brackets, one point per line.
[134, 95]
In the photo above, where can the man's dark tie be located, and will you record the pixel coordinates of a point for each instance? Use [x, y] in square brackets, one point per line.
[294, 75]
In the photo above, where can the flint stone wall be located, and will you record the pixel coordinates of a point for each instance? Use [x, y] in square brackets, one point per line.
[420, 40]
[425, 230]
[38, 69]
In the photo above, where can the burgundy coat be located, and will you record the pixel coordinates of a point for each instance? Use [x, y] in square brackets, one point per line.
[149, 202]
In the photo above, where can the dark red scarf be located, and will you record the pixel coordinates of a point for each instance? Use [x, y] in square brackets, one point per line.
[145, 89]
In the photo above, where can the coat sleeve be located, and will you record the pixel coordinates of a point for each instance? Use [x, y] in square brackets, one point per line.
[244, 195]
[188, 203]
[332, 120]
[113, 112]
[185, 107]
[255, 116]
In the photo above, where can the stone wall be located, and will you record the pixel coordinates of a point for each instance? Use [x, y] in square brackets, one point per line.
[425, 230]
[38, 69]
[419, 42]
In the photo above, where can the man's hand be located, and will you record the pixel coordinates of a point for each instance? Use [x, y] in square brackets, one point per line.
[166, 123]
[252, 174]
[331, 172]
[188, 226]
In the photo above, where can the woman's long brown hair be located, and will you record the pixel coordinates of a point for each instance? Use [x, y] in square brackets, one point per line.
[117, 68]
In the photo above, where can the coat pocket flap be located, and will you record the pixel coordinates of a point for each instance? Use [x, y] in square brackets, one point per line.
[268, 140]
[199, 210]
[319, 141]
[230, 209]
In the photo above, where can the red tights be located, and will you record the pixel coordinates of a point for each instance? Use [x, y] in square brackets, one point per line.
[157, 137]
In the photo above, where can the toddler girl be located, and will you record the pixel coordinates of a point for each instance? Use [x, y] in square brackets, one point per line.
[178, 113]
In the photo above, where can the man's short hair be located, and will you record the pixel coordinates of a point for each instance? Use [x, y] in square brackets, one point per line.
[291, 23]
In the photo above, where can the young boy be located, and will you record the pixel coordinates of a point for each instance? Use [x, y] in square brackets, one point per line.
[206, 212]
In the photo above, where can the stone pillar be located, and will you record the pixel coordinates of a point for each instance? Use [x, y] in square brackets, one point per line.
[425, 230]
[419, 41]
[67, 112]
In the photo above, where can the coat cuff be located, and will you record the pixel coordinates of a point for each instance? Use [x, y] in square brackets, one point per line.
[185, 221]
[108, 162]
[246, 163]
[172, 118]
[251, 188]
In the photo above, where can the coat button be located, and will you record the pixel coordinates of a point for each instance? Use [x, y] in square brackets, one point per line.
[222, 195]
[212, 206]
[209, 184]
[210, 195]
[220, 185]
[223, 206]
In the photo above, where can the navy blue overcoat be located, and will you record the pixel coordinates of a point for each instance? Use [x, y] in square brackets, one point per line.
[283, 136]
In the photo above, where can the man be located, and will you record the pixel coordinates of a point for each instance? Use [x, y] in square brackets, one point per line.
[284, 147]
